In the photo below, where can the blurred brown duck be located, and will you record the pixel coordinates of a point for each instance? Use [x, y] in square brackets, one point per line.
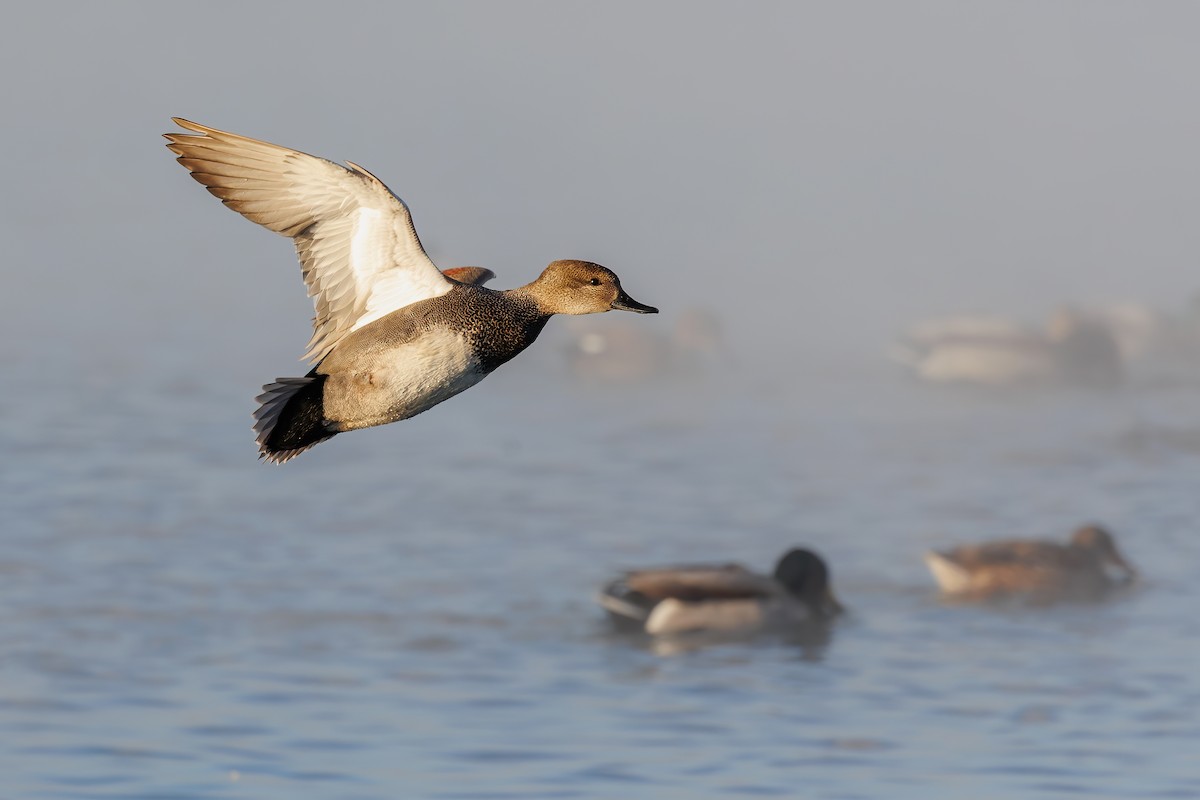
[1079, 570]
[723, 598]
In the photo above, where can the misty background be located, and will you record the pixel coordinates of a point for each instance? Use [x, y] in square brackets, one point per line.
[407, 611]
[819, 174]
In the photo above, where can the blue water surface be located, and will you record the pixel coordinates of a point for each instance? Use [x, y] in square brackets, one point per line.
[406, 612]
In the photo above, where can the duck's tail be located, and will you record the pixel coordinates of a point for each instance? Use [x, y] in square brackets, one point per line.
[626, 608]
[950, 577]
[291, 417]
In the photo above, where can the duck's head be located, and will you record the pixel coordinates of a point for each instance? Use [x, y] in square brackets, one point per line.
[805, 576]
[1100, 543]
[581, 287]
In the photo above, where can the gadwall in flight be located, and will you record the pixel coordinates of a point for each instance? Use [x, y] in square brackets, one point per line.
[724, 598]
[393, 336]
[1040, 571]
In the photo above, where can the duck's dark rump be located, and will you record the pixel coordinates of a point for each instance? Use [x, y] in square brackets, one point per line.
[291, 417]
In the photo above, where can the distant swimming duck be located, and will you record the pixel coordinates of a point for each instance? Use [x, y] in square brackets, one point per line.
[623, 354]
[723, 598]
[393, 336]
[1042, 571]
[1075, 349]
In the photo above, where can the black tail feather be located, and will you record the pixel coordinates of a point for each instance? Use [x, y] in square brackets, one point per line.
[627, 609]
[290, 418]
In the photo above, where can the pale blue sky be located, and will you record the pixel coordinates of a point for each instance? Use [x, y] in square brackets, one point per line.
[822, 173]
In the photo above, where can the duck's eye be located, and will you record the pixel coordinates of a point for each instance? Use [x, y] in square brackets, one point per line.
[594, 282]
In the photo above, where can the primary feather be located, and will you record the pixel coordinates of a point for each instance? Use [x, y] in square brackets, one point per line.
[359, 252]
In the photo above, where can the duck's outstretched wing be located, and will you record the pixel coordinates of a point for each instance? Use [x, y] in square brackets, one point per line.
[694, 583]
[358, 248]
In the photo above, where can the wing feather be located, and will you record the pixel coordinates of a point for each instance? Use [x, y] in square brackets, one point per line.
[359, 253]
[693, 583]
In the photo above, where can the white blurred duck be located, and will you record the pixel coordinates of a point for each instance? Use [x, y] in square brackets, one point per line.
[1074, 349]
[623, 354]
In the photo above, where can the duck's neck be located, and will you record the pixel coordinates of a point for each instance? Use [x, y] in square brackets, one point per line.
[517, 324]
[530, 295]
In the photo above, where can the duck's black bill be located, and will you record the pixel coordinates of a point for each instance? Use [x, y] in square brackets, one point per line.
[626, 303]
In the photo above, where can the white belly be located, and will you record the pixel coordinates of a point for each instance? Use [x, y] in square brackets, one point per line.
[401, 382]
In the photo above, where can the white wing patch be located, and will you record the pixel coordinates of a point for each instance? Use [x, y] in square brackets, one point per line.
[374, 241]
[359, 252]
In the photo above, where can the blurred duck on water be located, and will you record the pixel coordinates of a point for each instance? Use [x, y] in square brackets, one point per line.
[393, 336]
[724, 598]
[1087, 567]
[1074, 349]
[621, 354]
